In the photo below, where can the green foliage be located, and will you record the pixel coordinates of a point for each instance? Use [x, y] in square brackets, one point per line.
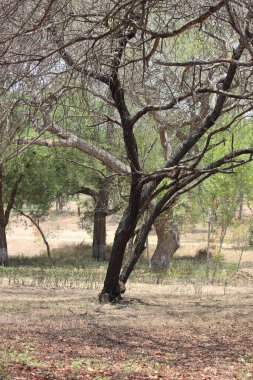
[150, 150]
[221, 193]
[26, 357]
[45, 176]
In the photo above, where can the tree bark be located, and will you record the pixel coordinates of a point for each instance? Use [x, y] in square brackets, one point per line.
[139, 248]
[59, 205]
[99, 229]
[101, 201]
[112, 285]
[167, 241]
[142, 237]
[3, 240]
[3, 245]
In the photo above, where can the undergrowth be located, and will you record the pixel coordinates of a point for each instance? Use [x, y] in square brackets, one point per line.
[72, 266]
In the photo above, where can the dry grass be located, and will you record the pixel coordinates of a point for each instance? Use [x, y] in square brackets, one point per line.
[64, 230]
[181, 328]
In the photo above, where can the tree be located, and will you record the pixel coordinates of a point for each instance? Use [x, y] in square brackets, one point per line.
[14, 118]
[12, 178]
[137, 49]
[30, 184]
[101, 201]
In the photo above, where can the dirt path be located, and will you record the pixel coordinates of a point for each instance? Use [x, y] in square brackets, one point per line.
[152, 334]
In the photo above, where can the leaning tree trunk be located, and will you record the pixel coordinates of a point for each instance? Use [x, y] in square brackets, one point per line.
[112, 287]
[136, 253]
[167, 241]
[99, 228]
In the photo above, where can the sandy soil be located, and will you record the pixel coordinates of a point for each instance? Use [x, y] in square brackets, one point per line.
[23, 238]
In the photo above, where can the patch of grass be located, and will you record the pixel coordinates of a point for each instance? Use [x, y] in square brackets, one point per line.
[69, 266]
[72, 266]
[77, 363]
[76, 255]
[4, 371]
[133, 365]
[24, 357]
[89, 277]
[184, 268]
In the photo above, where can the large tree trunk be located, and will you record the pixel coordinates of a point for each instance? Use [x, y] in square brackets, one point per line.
[142, 237]
[112, 285]
[99, 228]
[167, 241]
[114, 282]
[99, 236]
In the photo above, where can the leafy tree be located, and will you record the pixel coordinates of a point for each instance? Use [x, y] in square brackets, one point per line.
[119, 52]
[30, 184]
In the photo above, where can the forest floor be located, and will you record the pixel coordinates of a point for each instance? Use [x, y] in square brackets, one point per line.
[155, 332]
[52, 326]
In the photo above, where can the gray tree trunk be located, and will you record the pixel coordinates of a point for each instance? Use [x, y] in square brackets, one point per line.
[99, 228]
[167, 241]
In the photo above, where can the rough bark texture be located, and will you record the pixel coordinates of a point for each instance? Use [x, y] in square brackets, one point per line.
[167, 242]
[132, 260]
[112, 285]
[99, 229]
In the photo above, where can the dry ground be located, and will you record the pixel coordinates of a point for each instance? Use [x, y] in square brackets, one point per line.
[62, 230]
[179, 331]
[156, 332]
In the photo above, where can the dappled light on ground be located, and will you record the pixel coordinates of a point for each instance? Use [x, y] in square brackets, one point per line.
[151, 334]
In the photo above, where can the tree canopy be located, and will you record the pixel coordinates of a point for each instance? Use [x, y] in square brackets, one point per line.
[182, 69]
